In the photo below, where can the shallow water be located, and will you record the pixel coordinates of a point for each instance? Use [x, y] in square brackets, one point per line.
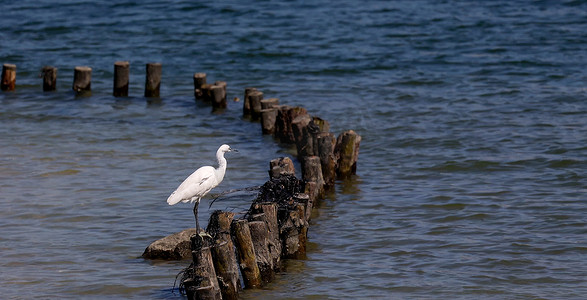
[471, 179]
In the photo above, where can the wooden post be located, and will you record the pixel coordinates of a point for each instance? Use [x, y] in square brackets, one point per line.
[323, 125]
[285, 116]
[279, 166]
[325, 144]
[259, 236]
[225, 262]
[255, 98]
[223, 84]
[312, 171]
[82, 80]
[268, 117]
[267, 212]
[153, 80]
[346, 152]
[246, 254]
[307, 202]
[218, 96]
[8, 77]
[304, 132]
[49, 75]
[247, 101]
[121, 79]
[204, 272]
[269, 103]
[199, 81]
[293, 231]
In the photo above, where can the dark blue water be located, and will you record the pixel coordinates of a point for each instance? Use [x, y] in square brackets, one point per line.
[472, 175]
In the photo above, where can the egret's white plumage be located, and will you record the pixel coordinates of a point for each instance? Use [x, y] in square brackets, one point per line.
[204, 179]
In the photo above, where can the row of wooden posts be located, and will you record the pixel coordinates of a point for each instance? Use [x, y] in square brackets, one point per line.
[82, 82]
[275, 226]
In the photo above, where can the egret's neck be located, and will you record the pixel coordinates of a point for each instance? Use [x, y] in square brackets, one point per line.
[221, 165]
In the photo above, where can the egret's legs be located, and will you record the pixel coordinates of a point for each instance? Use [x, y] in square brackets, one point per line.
[196, 215]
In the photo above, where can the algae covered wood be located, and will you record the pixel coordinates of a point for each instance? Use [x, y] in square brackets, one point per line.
[246, 253]
[347, 153]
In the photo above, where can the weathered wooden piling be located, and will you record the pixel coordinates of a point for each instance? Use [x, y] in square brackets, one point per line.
[218, 96]
[121, 79]
[325, 144]
[82, 80]
[223, 84]
[259, 236]
[281, 166]
[246, 253]
[312, 172]
[268, 117]
[247, 101]
[49, 75]
[269, 103]
[285, 115]
[267, 212]
[199, 81]
[347, 153]
[223, 254]
[293, 231]
[153, 80]
[205, 280]
[8, 77]
[304, 132]
[255, 98]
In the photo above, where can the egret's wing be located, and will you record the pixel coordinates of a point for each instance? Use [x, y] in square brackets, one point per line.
[196, 185]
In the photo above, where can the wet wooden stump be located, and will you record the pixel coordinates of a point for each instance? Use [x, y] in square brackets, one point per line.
[285, 116]
[199, 81]
[267, 212]
[293, 231]
[281, 166]
[49, 75]
[246, 253]
[260, 238]
[223, 254]
[205, 280]
[346, 152]
[247, 101]
[312, 171]
[82, 80]
[255, 98]
[218, 96]
[153, 80]
[121, 79]
[268, 117]
[8, 77]
[269, 103]
[325, 144]
[304, 132]
[307, 202]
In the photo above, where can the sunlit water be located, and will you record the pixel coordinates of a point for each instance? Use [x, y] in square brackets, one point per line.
[471, 180]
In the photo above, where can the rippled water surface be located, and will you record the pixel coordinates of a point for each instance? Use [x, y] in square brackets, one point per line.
[472, 175]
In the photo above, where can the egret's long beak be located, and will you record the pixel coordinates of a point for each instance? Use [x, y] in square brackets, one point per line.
[233, 150]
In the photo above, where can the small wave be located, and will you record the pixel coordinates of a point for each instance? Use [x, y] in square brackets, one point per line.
[60, 173]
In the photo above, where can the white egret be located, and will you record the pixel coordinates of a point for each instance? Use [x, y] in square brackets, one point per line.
[193, 188]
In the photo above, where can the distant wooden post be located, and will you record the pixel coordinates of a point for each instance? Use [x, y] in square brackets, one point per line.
[312, 171]
[247, 101]
[8, 77]
[304, 132]
[153, 81]
[218, 96]
[281, 166]
[325, 144]
[246, 253]
[285, 116]
[268, 117]
[269, 103]
[82, 80]
[223, 84]
[49, 75]
[199, 81]
[347, 153]
[121, 79]
[255, 99]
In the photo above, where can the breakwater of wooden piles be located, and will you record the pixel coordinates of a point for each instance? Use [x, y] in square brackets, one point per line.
[251, 246]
